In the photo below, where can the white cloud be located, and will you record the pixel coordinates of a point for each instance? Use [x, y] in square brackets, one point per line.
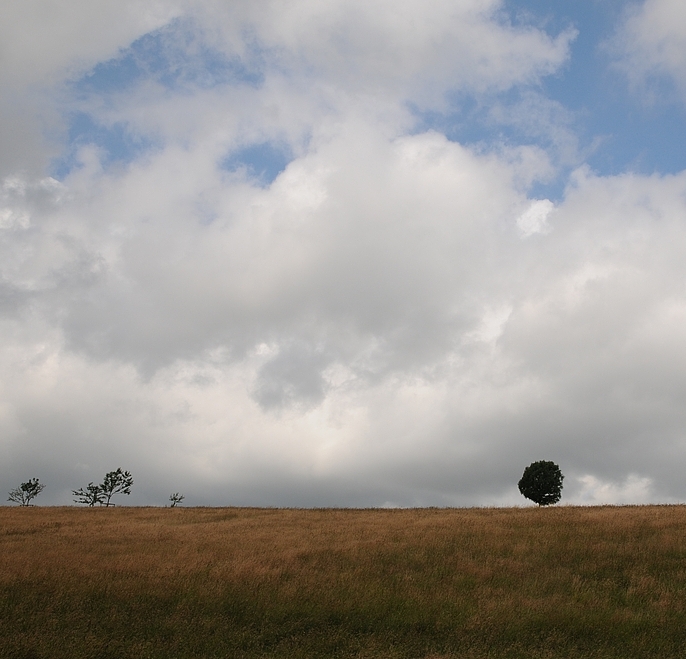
[633, 490]
[535, 218]
[321, 332]
[652, 42]
[369, 327]
[376, 46]
[44, 43]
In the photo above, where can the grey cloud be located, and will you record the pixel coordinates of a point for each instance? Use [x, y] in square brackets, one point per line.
[293, 376]
[43, 45]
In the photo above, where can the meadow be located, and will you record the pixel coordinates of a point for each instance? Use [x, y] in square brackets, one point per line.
[171, 583]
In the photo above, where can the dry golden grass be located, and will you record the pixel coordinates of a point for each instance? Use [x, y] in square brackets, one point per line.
[429, 583]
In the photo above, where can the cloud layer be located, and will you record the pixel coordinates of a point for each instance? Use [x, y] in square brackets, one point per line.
[652, 43]
[233, 264]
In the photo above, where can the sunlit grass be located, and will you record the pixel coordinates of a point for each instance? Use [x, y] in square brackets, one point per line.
[223, 582]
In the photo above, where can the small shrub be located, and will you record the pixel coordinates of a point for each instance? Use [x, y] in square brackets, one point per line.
[176, 499]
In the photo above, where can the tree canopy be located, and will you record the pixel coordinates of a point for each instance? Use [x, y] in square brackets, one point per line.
[26, 492]
[115, 482]
[542, 483]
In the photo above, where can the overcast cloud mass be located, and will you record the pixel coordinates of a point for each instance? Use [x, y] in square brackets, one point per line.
[343, 253]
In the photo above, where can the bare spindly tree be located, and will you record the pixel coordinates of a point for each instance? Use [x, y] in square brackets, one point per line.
[90, 495]
[176, 499]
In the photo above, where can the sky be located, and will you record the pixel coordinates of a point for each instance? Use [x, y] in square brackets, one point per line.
[343, 252]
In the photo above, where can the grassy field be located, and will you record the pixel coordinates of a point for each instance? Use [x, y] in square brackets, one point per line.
[430, 583]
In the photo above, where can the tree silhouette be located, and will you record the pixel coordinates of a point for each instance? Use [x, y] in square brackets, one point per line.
[26, 492]
[90, 495]
[176, 499]
[116, 482]
[542, 483]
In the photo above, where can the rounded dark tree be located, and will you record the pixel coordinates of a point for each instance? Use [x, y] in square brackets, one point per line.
[542, 483]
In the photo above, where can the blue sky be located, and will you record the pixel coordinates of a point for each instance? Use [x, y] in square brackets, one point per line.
[617, 129]
[350, 253]
[636, 132]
